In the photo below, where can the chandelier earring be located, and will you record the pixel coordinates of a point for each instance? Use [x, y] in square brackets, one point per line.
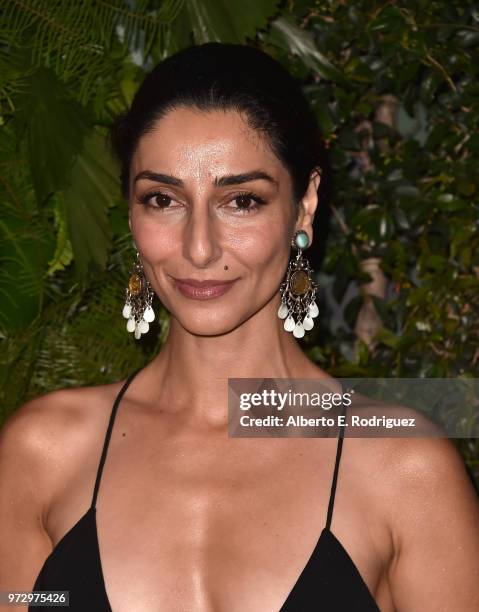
[298, 291]
[139, 297]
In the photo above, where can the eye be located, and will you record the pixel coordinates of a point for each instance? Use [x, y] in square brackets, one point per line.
[247, 202]
[157, 200]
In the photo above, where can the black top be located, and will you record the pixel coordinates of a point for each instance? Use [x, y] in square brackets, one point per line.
[329, 582]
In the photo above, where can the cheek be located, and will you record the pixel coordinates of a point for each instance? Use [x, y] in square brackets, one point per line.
[259, 248]
[156, 242]
[262, 249]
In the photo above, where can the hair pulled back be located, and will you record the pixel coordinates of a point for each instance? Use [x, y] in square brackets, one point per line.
[224, 76]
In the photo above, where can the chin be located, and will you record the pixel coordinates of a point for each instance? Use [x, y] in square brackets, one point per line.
[214, 324]
[209, 329]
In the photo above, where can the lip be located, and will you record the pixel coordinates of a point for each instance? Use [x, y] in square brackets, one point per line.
[202, 290]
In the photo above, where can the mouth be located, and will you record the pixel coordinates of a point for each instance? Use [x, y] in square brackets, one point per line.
[202, 290]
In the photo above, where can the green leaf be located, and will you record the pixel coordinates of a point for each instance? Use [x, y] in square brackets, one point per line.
[429, 86]
[324, 118]
[63, 253]
[468, 39]
[451, 203]
[56, 129]
[301, 43]
[233, 21]
[93, 190]
[24, 250]
[387, 337]
[351, 310]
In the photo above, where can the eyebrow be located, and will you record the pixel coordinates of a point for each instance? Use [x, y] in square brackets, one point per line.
[223, 181]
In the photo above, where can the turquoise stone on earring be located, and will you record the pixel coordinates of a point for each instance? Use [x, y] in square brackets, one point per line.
[298, 307]
[301, 240]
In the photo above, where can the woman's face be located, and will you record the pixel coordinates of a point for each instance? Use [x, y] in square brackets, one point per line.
[209, 201]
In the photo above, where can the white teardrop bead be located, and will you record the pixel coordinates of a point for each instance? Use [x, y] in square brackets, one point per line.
[289, 324]
[283, 311]
[149, 315]
[127, 311]
[143, 326]
[298, 331]
[137, 333]
[313, 310]
[130, 326]
[308, 323]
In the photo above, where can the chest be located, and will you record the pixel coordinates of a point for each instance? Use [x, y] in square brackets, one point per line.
[222, 526]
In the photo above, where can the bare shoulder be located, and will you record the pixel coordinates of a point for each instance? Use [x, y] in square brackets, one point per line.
[48, 433]
[405, 478]
[43, 446]
[433, 513]
[421, 507]
[429, 476]
[413, 475]
[42, 420]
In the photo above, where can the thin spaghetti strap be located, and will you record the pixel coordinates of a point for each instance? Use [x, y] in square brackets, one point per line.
[108, 434]
[336, 469]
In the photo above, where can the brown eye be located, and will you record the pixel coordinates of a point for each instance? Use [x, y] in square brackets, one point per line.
[162, 200]
[244, 201]
[247, 202]
[156, 200]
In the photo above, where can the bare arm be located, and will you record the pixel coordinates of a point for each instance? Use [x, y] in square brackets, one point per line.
[436, 531]
[24, 543]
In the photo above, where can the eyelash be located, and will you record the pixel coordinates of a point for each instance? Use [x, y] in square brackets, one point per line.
[144, 199]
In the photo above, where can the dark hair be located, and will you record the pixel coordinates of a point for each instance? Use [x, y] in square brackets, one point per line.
[227, 76]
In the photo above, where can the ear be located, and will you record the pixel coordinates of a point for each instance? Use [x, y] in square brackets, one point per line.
[308, 204]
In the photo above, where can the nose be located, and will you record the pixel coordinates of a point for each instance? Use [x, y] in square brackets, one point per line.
[200, 241]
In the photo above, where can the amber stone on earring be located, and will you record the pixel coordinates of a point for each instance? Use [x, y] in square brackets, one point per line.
[134, 284]
[299, 282]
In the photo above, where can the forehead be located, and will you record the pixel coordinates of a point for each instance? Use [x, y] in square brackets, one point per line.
[190, 142]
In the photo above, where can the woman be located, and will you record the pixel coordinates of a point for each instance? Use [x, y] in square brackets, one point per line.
[220, 167]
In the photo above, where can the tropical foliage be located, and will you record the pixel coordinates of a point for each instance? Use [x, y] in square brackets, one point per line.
[395, 89]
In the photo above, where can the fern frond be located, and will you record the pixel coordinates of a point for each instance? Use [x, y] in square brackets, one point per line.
[76, 38]
[76, 340]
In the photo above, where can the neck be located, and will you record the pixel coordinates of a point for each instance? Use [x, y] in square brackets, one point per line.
[191, 372]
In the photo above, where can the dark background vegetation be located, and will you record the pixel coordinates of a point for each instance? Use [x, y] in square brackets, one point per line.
[396, 92]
